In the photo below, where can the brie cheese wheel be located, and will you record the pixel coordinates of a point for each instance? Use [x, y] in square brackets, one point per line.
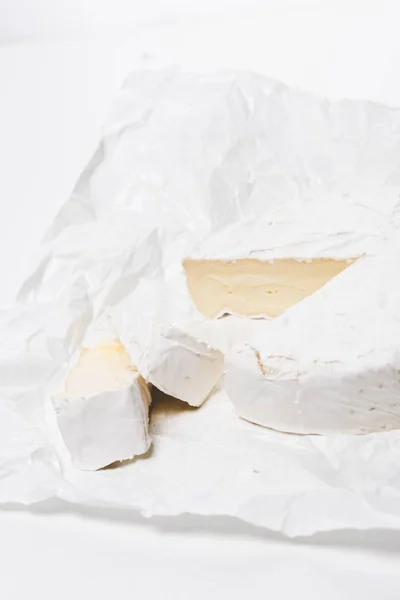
[331, 363]
[103, 413]
[175, 362]
[260, 268]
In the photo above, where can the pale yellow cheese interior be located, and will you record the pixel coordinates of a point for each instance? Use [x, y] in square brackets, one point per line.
[254, 287]
[99, 368]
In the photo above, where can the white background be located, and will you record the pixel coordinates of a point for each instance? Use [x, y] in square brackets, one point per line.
[61, 63]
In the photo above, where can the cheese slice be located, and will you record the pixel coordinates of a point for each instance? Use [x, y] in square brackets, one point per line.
[330, 364]
[260, 269]
[103, 412]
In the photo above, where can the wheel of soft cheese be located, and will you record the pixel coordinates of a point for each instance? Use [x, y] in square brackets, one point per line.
[331, 363]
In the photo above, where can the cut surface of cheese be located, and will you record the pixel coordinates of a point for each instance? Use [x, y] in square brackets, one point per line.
[105, 366]
[103, 412]
[261, 268]
[330, 364]
[253, 287]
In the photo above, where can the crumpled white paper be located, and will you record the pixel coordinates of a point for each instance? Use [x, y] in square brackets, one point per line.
[182, 156]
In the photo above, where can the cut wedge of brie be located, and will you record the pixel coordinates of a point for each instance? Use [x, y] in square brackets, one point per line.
[103, 413]
[175, 362]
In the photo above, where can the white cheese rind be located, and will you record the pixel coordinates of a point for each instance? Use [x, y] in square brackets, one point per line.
[330, 364]
[174, 361]
[303, 233]
[107, 427]
[168, 357]
[181, 365]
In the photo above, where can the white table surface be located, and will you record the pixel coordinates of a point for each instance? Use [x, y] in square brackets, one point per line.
[54, 95]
